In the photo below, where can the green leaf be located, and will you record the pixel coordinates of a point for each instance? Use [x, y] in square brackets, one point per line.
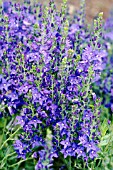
[103, 143]
[2, 121]
[104, 127]
[106, 137]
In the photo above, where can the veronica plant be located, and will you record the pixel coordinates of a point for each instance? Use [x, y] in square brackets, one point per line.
[48, 66]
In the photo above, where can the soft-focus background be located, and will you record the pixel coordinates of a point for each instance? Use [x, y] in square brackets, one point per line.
[93, 7]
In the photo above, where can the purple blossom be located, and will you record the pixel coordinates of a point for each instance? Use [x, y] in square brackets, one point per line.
[66, 143]
[45, 74]
[80, 152]
[92, 154]
[21, 149]
[91, 146]
[87, 115]
[24, 88]
[83, 140]
[35, 121]
[21, 120]
[4, 85]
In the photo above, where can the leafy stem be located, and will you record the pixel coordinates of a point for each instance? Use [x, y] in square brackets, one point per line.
[3, 131]
[10, 138]
[18, 163]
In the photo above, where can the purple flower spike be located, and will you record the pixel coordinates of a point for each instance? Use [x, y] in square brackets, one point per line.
[34, 121]
[92, 154]
[80, 152]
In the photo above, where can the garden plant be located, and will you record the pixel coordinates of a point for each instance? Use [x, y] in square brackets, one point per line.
[56, 92]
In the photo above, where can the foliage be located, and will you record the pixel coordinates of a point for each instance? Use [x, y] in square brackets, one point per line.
[50, 103]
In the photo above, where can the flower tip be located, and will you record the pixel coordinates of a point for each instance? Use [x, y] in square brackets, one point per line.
[101, 14]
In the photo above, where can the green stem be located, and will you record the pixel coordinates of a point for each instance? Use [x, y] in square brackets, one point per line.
[99, 162]
[67, 163]
[2, 161]
[7, 156]
[10, 138]
[70, 163]
[52, 88]
[18, 163]
[92, 166]
[3, 131]
[84, 165]
[88, 87]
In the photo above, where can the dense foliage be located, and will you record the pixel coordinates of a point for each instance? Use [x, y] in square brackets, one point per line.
[55, 88]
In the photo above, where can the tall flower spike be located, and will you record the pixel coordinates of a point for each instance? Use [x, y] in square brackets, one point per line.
[82, 12]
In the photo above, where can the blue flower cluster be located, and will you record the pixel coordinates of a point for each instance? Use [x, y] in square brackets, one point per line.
[104, 86]
[48, 66]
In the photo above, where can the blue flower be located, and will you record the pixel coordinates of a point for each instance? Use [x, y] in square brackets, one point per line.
[91, 146]
[34, 121]
[21, 120]
[93, 154]
[66, 143]
[83, 140]
[80, 151]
